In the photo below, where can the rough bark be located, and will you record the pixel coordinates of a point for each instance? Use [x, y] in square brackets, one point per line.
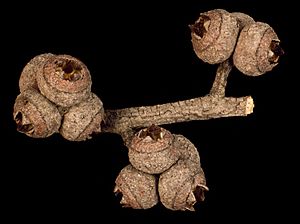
[218, 88]
[201, 108]
[213, 105]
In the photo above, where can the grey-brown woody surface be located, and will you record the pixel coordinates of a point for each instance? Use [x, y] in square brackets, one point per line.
[213, 105]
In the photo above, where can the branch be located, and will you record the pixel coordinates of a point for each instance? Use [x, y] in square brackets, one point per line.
[202, 108]
[214, 105]
[219, 85]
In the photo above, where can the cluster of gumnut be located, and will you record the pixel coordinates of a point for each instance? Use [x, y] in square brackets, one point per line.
[163, 166]
[217, 35]
[55, 96]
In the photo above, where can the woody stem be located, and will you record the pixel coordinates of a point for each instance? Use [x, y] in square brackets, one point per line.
[213, 105]
[219, 85]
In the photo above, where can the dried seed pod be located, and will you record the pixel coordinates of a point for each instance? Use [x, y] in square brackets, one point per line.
[243, 19]
[214, 36]
[83, 119]
[139, 189]
[257, 50]
[152, 151]
[35, 115]
[28, 76]
[188, 152]
[180, 188]
[65, 80]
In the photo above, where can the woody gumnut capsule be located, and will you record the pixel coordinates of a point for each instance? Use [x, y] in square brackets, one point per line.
[242, 19]
[214, 35]
[35, 115]
[32, 68]
[257, 50]
[138, 189]
[64, 80]
[83, 119]
[152, 150]
[184, 183]
[180, 187]
[188, 152]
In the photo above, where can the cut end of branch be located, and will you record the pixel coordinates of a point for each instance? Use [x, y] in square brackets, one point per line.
[249, 105]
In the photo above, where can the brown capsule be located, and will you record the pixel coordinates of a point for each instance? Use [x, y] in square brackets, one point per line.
[242, 19]
[188, 152]
[257, 50]
[152, 151]
[28, 76]
[35, 115]
[139, 189]
[83, 119]
[180, 188]
[65, 80]
[214, 36]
